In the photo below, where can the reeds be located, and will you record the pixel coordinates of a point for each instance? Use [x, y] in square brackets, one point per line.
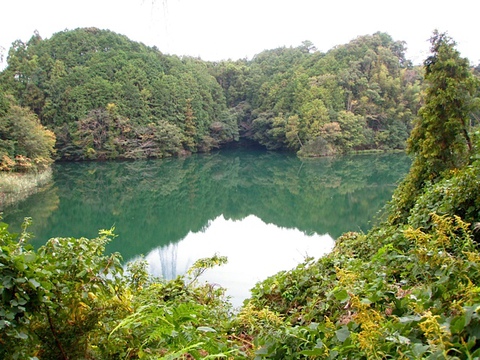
[15, 187]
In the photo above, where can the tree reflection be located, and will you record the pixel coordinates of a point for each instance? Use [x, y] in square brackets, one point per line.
[158, 202]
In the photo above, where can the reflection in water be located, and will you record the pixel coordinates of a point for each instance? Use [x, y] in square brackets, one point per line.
[255, 251]
[155, 204]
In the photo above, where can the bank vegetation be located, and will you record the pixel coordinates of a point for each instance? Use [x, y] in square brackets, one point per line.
[407, 289]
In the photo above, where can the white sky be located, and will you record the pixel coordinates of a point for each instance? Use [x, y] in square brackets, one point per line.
[228, 29]
[255, 251]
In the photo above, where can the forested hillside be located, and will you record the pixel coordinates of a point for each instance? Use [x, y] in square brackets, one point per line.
[107, 97]
[407, 289]
[358, 96]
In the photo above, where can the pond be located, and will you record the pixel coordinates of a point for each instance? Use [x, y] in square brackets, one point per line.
[265, 211]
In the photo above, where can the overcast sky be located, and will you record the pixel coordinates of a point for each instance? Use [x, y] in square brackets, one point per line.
[231, 29]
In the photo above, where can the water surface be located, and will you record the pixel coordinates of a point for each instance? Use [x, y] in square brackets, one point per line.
[265, 211]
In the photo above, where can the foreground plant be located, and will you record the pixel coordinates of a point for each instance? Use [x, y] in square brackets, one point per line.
[414, 302]
[180, 318]
[409, 288]
[54, 299]
[69, 300]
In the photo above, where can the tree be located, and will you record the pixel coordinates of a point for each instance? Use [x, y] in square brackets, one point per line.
[292, 133]
[69, 79]
[190, 128]
[25, 144]
[440, 141]
[2, 54]
[352, 134]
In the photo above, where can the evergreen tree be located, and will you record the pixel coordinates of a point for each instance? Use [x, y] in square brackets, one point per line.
[440, 140]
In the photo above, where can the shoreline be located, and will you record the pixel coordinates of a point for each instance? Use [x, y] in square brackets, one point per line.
[15, 187]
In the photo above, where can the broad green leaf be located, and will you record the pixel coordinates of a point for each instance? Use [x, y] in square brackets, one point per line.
[341, 295]
[419, 349]
[81, 273]
[342, 334]
[206, 329]
[22, 335]
[457, 324]
[409, 318]
[34, 283]
[314, 352]
[29, 257]
[319, 344]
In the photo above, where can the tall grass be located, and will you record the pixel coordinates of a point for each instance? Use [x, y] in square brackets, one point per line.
[15, 187]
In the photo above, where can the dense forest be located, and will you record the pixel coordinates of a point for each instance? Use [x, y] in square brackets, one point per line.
[106, 97]
[406, 289]
[358, 96]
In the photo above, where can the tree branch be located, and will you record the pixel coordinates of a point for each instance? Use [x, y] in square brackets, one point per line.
[54, 333]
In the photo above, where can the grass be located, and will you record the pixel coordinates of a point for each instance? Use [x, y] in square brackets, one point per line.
[15, 187]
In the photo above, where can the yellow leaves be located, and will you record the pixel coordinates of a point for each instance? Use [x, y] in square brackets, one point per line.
[329, 325]
[92, 296]
[473, 256]
[82, 305]
[443, 244]
[417, 235]
[6, 163]
[369, 319]
[345, 277]
[468, 292]
[436, 334]
[28, 141]
[23, 163]
[111, 108]
[79, 312]
[251, 318]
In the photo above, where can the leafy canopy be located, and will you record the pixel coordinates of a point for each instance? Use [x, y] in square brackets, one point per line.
[25, 145]
[440, 141]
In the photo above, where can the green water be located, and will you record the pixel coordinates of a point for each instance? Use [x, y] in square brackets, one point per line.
[249, 205]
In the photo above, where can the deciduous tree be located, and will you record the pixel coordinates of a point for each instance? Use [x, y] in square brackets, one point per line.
[24, 143]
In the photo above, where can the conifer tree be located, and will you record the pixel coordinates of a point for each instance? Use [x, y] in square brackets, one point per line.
[440, 141]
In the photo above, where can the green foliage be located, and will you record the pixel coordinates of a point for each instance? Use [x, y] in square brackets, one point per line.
[25, 145]
[368, 300]
[440, 141]
[201, 265]
[441, 133]
[19, 291]
[53, 302]
[68, 300]
[458, 194]
[72, 80]
[359, 96]
[174, 318]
